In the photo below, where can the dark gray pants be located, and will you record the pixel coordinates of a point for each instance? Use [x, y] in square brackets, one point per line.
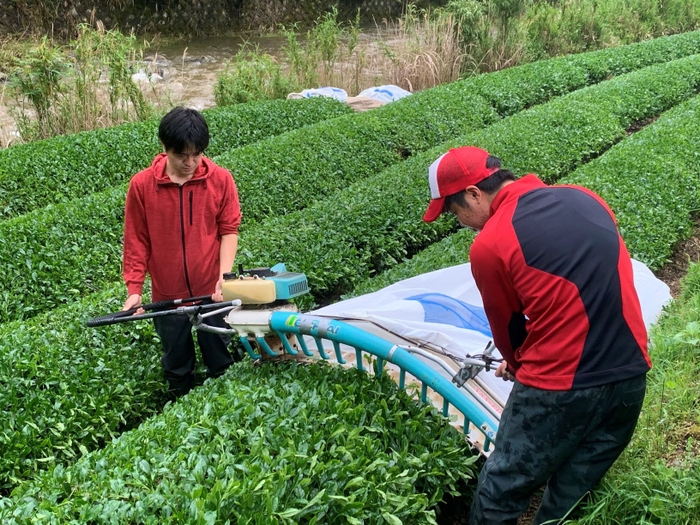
[179, 358]
[567, 440]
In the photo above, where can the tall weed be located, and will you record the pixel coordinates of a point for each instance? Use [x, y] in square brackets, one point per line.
[416, 52]
[85, 85]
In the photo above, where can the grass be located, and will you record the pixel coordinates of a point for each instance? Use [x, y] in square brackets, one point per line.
[657, 479]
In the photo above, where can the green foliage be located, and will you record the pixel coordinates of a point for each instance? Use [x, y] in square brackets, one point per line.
[38, 77]
[553, 139]
[284, 443]
[60, 87]
[60, 254]
[450, 251]
[66, 167]
[651, 182]
[252, 76]
[374, 224]
[289, 172]
[54, 256]
[67, 390]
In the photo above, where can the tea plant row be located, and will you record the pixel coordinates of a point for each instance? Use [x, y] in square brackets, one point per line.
[650, 180]
[56, 255]
[381, 216]
[284, 443]
[69, 166]
[381, 224]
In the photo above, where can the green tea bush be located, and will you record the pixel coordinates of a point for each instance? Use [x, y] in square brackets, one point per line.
[587, 68]
[67, 389]
[283, 443]
[650, 180]
[285, 173]
[70, 166]
[60, 169]
[369, 227]
[56, 255]
[374, 225]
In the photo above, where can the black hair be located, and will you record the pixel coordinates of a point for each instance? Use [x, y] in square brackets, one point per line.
[182, 129]
[489, 185]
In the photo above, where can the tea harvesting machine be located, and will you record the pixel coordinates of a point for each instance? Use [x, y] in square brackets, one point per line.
[259, 310]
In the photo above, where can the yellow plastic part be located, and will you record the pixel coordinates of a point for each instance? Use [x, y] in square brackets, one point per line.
[249, 290]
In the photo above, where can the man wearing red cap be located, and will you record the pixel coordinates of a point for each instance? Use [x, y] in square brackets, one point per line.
[558, 290]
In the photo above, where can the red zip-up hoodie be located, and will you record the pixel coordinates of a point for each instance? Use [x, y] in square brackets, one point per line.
[174, 231]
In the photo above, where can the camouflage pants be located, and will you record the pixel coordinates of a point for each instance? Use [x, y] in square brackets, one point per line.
[567, 440]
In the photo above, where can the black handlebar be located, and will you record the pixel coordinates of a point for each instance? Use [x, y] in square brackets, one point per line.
[157, 309]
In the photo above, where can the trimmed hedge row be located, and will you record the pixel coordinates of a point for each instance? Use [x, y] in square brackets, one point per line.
[285, 174]
[392, 204]
[652, 183]
[372, 226]
[650, 180]
[67, 389]
[70, 166]
[599, 65]
[280, 443]
[56, 255]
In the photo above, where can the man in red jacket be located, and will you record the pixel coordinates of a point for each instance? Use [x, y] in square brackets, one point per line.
[558, 291]
[181, 227]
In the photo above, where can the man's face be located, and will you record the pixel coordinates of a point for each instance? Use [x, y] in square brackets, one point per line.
[477, 211]
[183, 165]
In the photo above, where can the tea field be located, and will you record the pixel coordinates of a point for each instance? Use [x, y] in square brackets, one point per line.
[88, 436]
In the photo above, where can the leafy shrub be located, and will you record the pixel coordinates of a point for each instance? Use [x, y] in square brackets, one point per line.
[56, 255]
[367, 228]
[327, 445]
[374, 225]
[651, 182]
[252, 76]
[67, 390]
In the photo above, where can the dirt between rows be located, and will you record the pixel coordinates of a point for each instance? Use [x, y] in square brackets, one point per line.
[455, 511]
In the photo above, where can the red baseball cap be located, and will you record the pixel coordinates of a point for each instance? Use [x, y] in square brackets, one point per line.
[452, 173]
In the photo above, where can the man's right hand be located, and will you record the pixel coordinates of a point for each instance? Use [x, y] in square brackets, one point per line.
[134, 301]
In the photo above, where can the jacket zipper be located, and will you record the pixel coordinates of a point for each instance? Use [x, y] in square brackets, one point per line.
[191, 192]
[184, 252]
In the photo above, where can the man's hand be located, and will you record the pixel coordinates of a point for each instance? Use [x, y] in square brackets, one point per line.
[134, 301]
[218, 296]
[502, 371]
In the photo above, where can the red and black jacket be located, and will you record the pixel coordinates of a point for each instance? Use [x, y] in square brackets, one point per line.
[558, 287]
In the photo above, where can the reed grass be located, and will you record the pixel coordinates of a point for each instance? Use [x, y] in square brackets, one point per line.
[57, 89]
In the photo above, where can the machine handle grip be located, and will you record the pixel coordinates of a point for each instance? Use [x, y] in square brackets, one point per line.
[128, 315]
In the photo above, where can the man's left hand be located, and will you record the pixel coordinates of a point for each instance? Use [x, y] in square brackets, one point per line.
[218, 296]
[502, 371]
